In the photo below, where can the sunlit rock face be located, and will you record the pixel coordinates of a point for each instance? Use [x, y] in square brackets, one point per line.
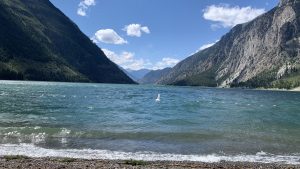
[287, 2]
[271, 42]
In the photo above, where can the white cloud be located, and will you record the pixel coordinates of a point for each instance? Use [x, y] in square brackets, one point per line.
[166, 62]
[122, 58]
[226, 16]
[136, 30]
[125, 59]
[108, 36]
[84, 5]
[137, 64]
[205, 46]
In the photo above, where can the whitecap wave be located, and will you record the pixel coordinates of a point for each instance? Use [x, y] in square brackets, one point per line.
[34, 151]
[37, 128]
[2, 93]
[64, 134]
[38, 138]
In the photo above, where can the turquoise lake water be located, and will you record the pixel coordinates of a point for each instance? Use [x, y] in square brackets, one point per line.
[109, 121]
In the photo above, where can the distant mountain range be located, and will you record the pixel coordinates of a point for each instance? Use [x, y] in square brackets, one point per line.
[262, 53]
[38, 42]
[153, 76]
[137, 74]
[146, 76]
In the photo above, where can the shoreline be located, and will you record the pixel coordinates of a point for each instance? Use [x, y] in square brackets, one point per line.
[12, 162]
[297, 89]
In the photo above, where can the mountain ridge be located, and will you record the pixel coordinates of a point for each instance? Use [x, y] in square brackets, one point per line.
[38, 42]
[261, 53]
[153, 76]
[137, 74]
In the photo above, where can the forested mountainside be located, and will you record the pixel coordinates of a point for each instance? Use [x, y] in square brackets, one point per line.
[38, 42]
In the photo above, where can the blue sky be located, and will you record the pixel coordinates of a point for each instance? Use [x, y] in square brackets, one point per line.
[158, 33]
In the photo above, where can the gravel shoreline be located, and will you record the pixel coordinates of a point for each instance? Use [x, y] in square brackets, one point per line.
[20, 162]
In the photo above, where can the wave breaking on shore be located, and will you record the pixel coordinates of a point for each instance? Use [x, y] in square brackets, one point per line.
[31, 150]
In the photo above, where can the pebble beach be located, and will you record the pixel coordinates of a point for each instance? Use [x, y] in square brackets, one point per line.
[15, 162]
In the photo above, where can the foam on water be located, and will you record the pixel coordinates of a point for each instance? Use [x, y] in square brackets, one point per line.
[37, 127]
[38, 138]
[192, 120]
[64, 132]
[33, 134]
[34, 151]
[2, 93]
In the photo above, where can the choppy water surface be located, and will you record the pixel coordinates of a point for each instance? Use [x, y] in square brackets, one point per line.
[124, 121]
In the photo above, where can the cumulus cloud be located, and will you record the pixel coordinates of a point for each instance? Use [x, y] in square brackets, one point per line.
[136, 30]
[108, 36]
[205, 46]
[125, 59]
[165, 62]
[226, 16]
[122, 58]
[84, 5]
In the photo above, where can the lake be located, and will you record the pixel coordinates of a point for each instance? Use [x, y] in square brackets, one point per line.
[110, 121]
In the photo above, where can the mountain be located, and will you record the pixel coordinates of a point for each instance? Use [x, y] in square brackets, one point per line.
[153, 76]
[138, 74]
[38, 42]
[128, 74]
[264, 52]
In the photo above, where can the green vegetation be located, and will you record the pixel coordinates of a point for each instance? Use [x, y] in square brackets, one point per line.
[153, 76]
[38, 42]
[135, 162]
[289, 82]
[15, 157]
[268, 79]
[10, 75]
[206, 78]
[263, 79]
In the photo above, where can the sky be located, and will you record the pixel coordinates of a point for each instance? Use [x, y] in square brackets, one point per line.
[155, 34]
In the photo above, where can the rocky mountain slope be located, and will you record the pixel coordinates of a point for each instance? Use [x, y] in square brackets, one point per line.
[153, 76]
[262, 53]
[38, 42]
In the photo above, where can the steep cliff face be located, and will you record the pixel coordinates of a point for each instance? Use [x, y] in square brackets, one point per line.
[259, 52]
[38, 42]
[287, 2]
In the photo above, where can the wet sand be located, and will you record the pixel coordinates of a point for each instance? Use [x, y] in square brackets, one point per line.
[15, 162]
